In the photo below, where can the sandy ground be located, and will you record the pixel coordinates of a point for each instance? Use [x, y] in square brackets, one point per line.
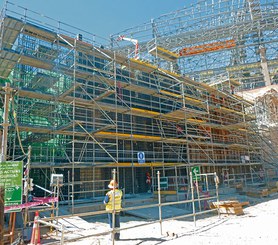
[259, 225]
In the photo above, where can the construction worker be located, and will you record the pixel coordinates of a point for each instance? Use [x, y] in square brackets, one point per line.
[149, 182]
[113, 202]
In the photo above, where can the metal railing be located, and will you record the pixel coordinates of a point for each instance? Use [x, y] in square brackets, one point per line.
[195, 197]
[57, 227]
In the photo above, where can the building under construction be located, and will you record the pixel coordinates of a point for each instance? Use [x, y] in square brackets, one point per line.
[160, 96]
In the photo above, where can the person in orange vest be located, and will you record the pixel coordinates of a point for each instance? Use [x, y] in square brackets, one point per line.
[113, 200]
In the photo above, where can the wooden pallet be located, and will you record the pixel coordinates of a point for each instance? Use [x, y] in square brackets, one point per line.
[233, 207]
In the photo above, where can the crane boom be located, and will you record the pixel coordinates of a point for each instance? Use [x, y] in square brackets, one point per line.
[134, 41]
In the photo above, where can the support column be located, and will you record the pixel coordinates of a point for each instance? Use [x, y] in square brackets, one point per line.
[5, 124]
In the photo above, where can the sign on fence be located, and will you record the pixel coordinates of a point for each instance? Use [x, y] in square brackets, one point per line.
[141, 157]
[195, 171]
[11, 178]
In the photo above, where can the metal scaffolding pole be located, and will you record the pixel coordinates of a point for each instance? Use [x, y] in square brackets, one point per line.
[5, 123]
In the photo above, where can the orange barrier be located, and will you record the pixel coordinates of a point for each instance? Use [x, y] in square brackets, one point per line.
[36, 236]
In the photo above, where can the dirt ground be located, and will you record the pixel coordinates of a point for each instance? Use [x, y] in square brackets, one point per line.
[258, 225]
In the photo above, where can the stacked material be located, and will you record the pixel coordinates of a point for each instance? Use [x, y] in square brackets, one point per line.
[257, 192]
[273, 188]
[229, 207]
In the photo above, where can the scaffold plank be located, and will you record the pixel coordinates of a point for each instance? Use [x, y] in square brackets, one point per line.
[39, 32]
[144, 112]
[104, 95]
[139, 89]
[198, 121]
[235, 125]
[10, 32]
[34, 62]
[183, 113]
[193, 100]
[169, 73]
[35, 95]
[7, 62]
[171, 94]
[138, 165]
[142, 65]
[70, 90]
[237, 146]
[177, 114]
[164, 53]
[247, 131]
[228, 110]
[229, 82]
[136, 137]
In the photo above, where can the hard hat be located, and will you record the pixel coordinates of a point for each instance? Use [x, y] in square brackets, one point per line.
[113, 184]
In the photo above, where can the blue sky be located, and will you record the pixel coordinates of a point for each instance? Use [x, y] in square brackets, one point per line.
[102, 17]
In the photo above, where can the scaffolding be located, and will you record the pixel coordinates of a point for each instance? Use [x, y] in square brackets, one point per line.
[234, 38]
[84, 107]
